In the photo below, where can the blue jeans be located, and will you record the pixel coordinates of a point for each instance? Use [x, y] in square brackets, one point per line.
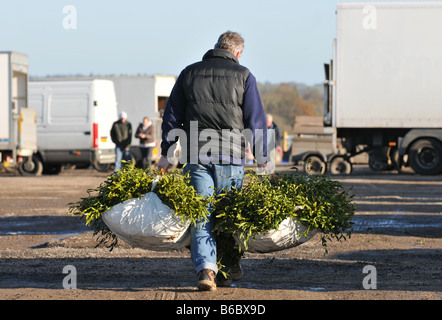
[204, 178]
[120, 154]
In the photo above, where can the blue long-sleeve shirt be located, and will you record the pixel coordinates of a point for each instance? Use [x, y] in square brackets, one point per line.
[254, 118]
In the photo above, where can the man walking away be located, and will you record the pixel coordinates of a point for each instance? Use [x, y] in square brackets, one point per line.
[215, 100]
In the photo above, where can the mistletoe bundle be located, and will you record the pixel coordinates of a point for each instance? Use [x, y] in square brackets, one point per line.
[129, 187]
[303, 203]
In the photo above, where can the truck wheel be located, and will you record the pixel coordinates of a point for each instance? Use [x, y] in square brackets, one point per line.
[425, 156]
[314, 165]
[32, 166]
[339, 165]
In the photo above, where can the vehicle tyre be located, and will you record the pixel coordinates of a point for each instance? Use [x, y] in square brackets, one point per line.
[425, 156]
[31, 168]
[315, 165]
[340, 165]
[102, 167]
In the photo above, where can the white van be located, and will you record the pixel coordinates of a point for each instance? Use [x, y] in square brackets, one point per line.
[74, 119]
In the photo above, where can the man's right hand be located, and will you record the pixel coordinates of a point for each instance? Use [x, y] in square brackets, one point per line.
[163, 163]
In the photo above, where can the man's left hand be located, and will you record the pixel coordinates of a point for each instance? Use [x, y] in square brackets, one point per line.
[163, 164]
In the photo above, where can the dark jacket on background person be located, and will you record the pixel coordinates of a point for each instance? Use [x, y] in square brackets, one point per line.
[221, 95]
[278, 134]
[121, 134]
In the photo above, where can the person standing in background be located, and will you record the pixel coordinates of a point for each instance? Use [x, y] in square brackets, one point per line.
[278, 135]
[121, 135]
[146, 133]
[274, 138]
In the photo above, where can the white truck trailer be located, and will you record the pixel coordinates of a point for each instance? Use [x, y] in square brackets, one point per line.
[143, 96]
[18, 123]
[383, 92]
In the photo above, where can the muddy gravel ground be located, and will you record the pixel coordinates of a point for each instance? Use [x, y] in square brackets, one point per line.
[394, 253]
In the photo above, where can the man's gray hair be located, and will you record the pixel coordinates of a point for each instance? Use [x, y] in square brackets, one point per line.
[231, 41]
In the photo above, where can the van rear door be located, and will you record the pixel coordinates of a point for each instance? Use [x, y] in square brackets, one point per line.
[63, 120]
[104, 115]
[68, 116]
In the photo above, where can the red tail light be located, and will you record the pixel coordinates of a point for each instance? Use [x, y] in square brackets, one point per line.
[95, 136]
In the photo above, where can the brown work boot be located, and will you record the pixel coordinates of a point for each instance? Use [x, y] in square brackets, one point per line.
[206, 280]
[235, 274]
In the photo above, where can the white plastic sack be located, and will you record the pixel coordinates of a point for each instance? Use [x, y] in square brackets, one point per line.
[290, 234]
[148, 223]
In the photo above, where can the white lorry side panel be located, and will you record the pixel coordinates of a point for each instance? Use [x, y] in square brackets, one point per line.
[139, 95]
[37, 103]
[388, 65]
[143, 96]
[135, 96]
[164, 86]
[5, 107]
[19, 89]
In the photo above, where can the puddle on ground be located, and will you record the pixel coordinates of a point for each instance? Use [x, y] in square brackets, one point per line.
[41, 225]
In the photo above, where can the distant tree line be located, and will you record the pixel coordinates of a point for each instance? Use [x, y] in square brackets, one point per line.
[287, 100]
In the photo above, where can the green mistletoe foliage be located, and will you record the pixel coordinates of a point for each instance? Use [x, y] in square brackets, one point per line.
[265, 201]
[130, 182]
[260, 206]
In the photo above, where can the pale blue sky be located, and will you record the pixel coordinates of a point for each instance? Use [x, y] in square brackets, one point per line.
[286, 40]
